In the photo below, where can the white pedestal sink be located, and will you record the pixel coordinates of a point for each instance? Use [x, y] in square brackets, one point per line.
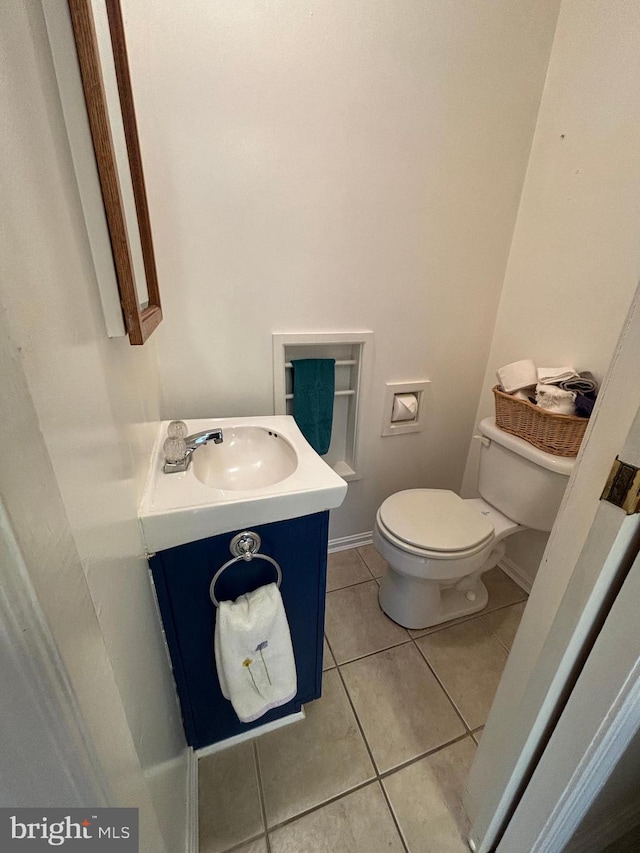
[263, 471]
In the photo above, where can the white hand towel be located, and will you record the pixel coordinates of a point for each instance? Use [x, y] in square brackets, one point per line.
[520, 374]
[555, 399]
[553, 375]
[254, 655]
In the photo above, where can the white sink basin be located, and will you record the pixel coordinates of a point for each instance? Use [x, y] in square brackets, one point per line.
[263, 471]
[250, 457]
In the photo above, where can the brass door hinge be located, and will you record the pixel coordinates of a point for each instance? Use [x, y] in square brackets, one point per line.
[623, 487]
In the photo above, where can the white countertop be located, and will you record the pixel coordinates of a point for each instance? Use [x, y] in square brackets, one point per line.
[177, 508]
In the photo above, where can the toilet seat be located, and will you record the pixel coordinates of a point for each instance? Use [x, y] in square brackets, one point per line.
[434, 523]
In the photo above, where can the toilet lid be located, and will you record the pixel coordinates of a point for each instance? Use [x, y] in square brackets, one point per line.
[434, 519]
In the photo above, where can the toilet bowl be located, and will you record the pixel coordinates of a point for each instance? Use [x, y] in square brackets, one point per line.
[439, 545]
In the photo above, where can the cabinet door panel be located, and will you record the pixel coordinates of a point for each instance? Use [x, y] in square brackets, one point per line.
[182, 576]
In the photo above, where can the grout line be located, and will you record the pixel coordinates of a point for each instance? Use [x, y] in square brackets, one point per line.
[439, 680]
[476, 733]
[333, 657]
[371, 654]
[444, 625]
[370, 570]
[326, 639]
[393, 816]
[493, 634]
[321, 805]
[363, 562]
[373, 763]
[504, 646]
[357, 719]
[364, 559]
[350, 585]
[244, 843]
[263, 807]
[386, 773]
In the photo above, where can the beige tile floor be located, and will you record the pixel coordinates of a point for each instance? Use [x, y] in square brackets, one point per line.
[380, 761]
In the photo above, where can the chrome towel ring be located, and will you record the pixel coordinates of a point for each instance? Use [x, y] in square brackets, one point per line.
[245, 546]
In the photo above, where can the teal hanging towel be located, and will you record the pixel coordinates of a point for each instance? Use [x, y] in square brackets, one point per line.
[314, 383]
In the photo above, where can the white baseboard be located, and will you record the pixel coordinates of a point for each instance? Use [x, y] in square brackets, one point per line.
[192, 841]
[250, 734]
[516, 574]
[355, 541]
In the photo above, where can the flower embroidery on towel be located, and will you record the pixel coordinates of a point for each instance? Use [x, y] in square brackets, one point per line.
[246, 663]
[259, 648]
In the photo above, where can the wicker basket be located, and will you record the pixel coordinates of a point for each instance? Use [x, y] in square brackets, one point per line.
[559, 435]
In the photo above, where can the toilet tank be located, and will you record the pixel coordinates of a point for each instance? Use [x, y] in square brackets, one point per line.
[524, 483]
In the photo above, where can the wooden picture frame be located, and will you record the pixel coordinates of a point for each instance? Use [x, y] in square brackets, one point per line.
[100, 42]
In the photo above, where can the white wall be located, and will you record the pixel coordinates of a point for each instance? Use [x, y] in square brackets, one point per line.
[590, 95]
[94, 403]
[336, 166]
[575, 258]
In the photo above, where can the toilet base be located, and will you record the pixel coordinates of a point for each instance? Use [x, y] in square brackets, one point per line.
[419, 603]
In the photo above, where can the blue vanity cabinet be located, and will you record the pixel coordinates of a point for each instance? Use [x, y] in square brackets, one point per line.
[182, 577]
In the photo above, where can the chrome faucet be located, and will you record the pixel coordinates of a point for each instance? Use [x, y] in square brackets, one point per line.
[179, 448]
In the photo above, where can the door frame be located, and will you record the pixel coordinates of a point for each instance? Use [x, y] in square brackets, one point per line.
[599, 722]
[59, 765]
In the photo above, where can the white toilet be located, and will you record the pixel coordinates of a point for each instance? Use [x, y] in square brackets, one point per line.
[439, 545]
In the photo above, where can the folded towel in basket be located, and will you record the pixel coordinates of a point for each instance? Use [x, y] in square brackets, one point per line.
[254, 655]
[555, 375]
[555, 400]
[582, 384]
[584, 406]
